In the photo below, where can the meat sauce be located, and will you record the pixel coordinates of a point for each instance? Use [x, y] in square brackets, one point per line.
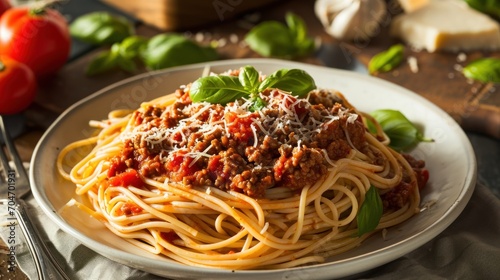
[289, 143]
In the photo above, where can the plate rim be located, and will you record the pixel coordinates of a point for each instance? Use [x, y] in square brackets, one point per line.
[413, 241]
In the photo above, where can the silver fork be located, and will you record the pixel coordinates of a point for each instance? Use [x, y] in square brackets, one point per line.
[15, 185]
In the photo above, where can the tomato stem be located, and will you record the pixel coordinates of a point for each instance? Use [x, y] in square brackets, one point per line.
[40, 7]
[39, 11]
[2, 66]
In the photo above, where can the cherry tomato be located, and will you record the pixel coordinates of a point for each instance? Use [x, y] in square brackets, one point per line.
[4, 6]
[38, 38]
[17, 86]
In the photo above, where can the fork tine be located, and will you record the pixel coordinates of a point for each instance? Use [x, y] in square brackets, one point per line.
[3, 158]
[13, 154]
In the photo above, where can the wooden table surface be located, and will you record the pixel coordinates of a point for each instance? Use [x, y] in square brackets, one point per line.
[474, 105]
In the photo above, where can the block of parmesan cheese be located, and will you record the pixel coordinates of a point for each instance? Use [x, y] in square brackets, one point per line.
[447, 25]
[412, 5]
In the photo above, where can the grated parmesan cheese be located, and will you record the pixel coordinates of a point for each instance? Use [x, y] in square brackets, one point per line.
[279, 116]
[461, 57]
[412, 61]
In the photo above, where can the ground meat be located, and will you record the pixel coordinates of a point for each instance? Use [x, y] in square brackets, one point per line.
[233, 148]
[299, 168]
[325, 97]
[421, 173]
[398, 196]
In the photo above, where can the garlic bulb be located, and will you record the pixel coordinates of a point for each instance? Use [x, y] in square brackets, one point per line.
[351, 19]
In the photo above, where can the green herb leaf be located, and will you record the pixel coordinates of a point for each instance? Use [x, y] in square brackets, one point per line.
[275, 39]
[484, 70]
[223, 89]
[297, 26]
[370, 212]
[296, 81]
[298, 30]
[490, 7]
[103, 62]
[402, 133]
[271, 39]
[101, 28]
[249, 78]
[121, 55]
[387, 60]
[132, 46]
[258, 104]
[127, 65]
[170, 49]
[217, 89]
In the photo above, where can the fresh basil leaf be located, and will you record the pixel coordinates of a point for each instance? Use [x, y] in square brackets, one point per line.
[271, 39]
[131, 46]
[298, 30]
[101, 28]
[387, 60]
[304, 47]
[370, 212]
[370, 126]
[490, 7]
[223, 89]
[219, 89]
[484, 70]
[103, 62]
[402, 133]
[170, 49]
[249, 78]
[258, 104]
[296, 81]
[275, 39]
[127, 65]
[121, 55]
[297, 26]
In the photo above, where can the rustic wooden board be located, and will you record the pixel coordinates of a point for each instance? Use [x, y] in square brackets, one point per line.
[175, 15]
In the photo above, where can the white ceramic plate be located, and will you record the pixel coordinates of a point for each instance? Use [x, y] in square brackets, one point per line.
[450, 160]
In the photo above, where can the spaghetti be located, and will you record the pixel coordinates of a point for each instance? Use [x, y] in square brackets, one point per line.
[235, 188]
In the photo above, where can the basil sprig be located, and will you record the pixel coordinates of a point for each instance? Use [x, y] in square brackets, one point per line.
[160, 51]
[121, 55]
[217, 89]
[402, 133]
[275, 39]
[101, 28]
[222, 89]
[484, 70]
[370, 212]
[249, 79]
[171, 49]
[296, 81]
[387, 60]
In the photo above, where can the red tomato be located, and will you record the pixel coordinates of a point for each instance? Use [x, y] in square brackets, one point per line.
[4, 6]
[38, 38]
[17, 86]
[127, 178]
